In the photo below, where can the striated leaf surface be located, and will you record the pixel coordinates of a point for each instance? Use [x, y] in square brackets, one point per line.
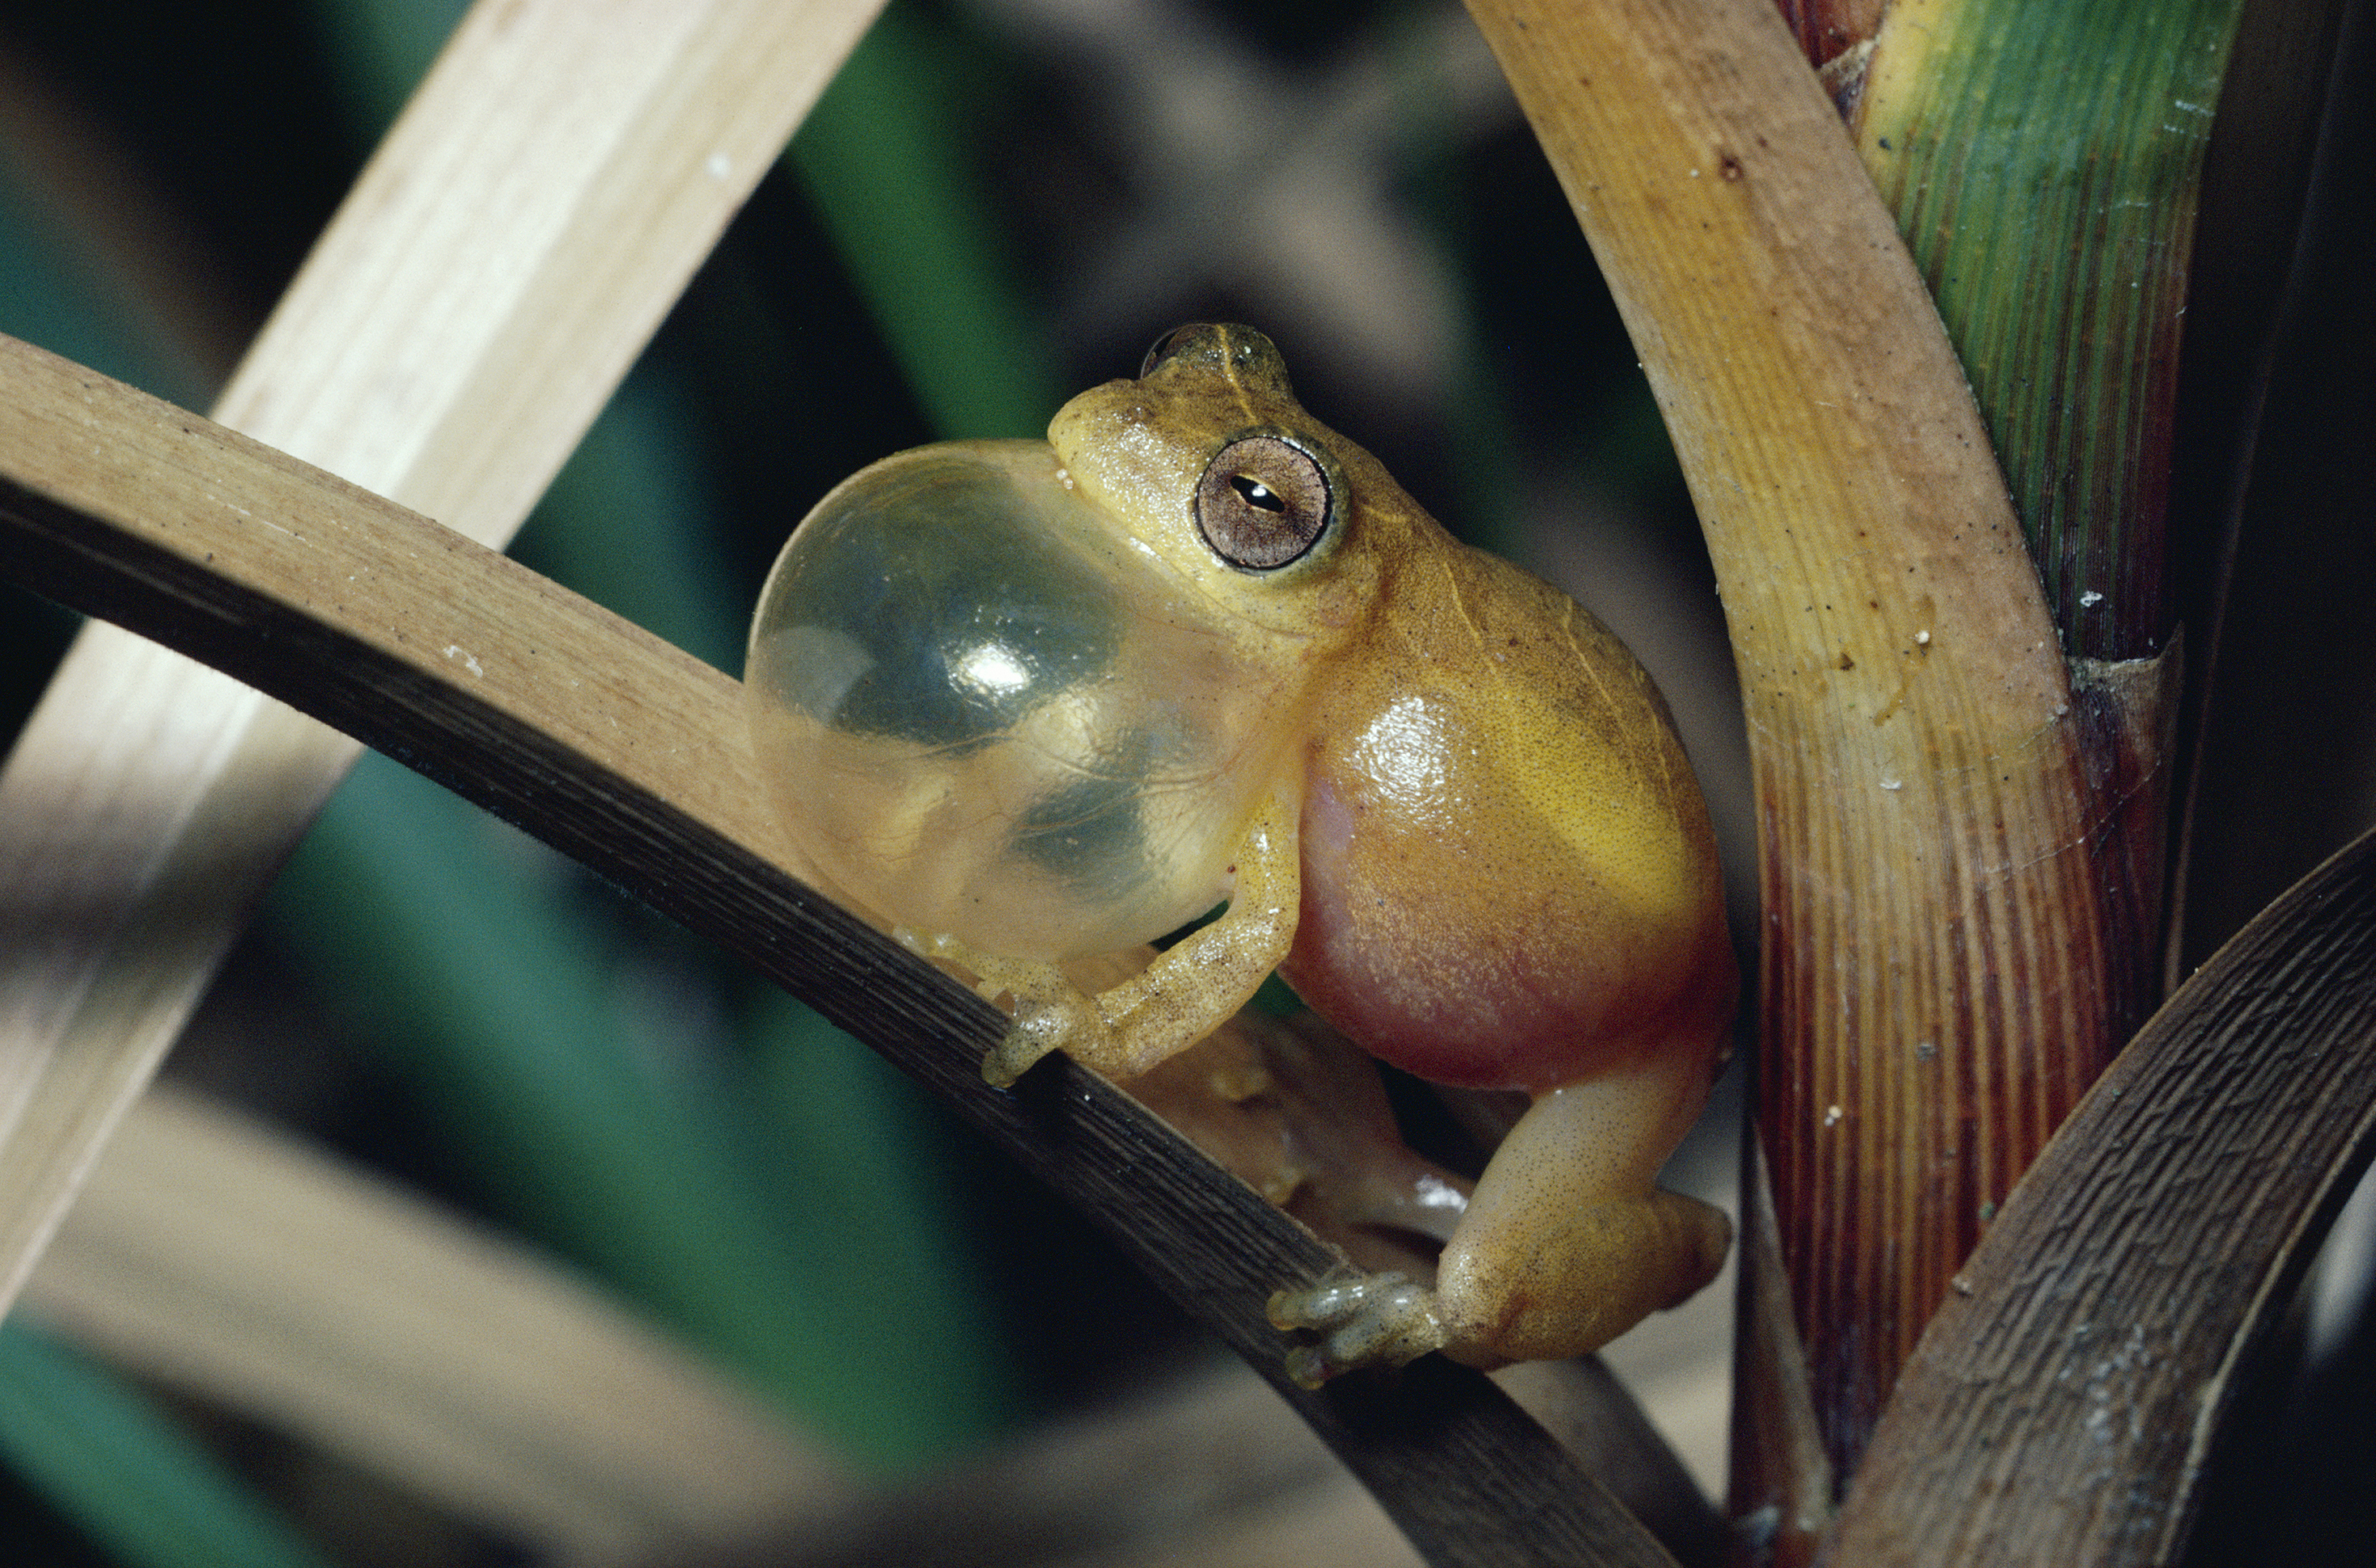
[1934, 987]
[2064, 1405]
[2043, 161]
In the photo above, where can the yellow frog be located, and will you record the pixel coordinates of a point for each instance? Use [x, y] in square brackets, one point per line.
[1031, 702]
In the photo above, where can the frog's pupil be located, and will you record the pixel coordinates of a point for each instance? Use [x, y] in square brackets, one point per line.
[1257, 493]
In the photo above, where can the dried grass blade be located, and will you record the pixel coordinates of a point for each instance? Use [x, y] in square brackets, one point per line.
[2064, 1401]
[226, 1259]
[528, 220]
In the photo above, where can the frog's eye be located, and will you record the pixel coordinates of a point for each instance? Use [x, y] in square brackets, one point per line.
[1262, 502]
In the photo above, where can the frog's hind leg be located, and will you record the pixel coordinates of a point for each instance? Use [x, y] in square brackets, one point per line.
[1568, 1241]
[1177, 1000]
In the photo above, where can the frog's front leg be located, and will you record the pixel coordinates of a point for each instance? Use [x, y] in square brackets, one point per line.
[1568, 1241]
[1177, 1000]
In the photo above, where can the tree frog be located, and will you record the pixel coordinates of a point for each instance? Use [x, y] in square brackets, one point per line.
[1031, 702]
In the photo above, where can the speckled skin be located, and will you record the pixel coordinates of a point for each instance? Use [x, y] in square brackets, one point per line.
[1469, 840]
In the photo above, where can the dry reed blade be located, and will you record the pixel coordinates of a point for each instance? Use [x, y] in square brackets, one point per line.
[231, 1261]
[527, 223]
[2065, 1400]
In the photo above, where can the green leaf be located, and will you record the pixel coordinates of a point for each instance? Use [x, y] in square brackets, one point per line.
[465, 954]
[2043, 161]
[131, 1479]
[889, 167]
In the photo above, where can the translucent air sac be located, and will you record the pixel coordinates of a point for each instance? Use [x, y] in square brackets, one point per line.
[985, 711]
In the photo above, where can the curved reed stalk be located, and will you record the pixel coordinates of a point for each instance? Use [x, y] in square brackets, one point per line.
[1934, 992]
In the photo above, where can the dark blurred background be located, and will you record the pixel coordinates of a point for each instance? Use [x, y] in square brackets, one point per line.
[1002, 202]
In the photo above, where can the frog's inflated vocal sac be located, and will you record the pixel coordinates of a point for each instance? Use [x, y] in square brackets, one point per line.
[1031, 702]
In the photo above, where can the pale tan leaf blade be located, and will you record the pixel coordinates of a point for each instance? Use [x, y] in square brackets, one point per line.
[225, 1258]
[528, 222]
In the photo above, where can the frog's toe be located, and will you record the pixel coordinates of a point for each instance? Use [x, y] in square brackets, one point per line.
[1014, 1055]
[1050, 1013]
[1378, 1320]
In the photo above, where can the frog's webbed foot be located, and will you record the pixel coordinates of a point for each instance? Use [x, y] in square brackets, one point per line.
[1377, 1319]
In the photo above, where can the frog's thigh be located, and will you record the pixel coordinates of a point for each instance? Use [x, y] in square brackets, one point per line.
[1186, 992]
[1569, 1241]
